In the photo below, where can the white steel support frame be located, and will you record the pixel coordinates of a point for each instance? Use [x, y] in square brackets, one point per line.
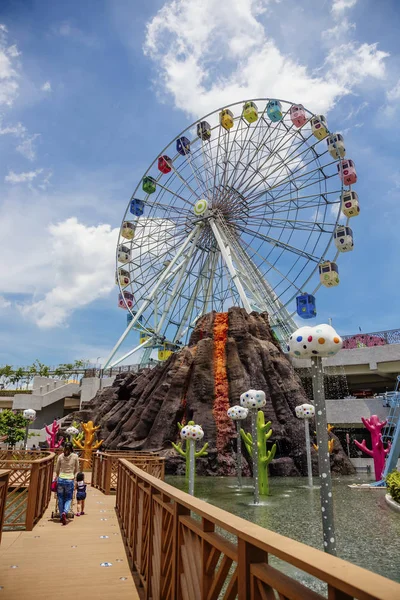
[226, 254]
[254, 292]
[245, 276]
[195, 232]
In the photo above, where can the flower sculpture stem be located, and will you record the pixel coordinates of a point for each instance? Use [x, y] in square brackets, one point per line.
[52, 435]
[323, 456]
[378, 452]
[239, 453]
[189, 454]
[257, 440]
[88, 444]
[308, 450]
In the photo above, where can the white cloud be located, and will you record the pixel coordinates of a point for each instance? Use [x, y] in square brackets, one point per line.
[4, 303]
[393, 95]
[27, 146]
[207, 58]
[46, 87]
[8, 69]
[342, 28]
[81, 265]
[351, 64]
[18, 130]
[26, 177]
[340, 6]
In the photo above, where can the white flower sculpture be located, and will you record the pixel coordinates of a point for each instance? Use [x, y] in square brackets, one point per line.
[253, 399]
[192, 432]
[321, 340]
[237, 413]
[305, 411]
[30, 414]
[72, 430]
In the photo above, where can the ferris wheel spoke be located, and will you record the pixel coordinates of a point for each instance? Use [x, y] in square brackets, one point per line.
[185, 200]
[246, 144]
[263, 145]
[185, 183]
[277, 199]
[299, 225]
[280, 244]
[294, 156]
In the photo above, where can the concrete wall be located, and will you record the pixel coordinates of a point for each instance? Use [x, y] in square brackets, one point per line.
[45, 395]
[350, 411]
[91, 385]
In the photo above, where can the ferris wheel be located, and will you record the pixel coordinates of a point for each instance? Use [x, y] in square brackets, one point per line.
[240, 209]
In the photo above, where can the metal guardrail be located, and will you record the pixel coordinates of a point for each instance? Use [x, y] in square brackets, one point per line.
[369, 340]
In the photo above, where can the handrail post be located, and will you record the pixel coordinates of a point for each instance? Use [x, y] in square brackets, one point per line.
[4, 477]
[107, 474]
[247, 555]
[32, 496]
[177, 567]
[206, 548]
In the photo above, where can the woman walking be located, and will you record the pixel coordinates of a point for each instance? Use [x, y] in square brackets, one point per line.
[66, 468]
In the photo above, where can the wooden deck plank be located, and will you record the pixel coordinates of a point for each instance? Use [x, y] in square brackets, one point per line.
[44, 554]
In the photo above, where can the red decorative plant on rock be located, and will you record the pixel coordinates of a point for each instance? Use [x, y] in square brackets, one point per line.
[52, 435]
[378, 452]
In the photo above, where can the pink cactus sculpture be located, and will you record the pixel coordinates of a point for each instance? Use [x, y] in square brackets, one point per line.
[378, 452]
[52, 435]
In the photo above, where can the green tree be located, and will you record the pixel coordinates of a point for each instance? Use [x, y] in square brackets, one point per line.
[17, 377]
[12, 427]
[6, 374]
[41, 369]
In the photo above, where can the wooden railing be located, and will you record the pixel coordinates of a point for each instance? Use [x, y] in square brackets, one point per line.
[3, 496]
[28, 488]
[105, 467]
[173, 543]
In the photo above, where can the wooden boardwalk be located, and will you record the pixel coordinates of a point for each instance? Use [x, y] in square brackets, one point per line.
[53, 561]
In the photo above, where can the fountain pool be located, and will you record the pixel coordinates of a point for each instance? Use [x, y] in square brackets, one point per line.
[367, 530]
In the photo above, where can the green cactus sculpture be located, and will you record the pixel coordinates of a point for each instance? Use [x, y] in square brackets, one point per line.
[190, 433]
[265, 456]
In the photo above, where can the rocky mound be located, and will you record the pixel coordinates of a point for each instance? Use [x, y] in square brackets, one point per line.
[228, 353]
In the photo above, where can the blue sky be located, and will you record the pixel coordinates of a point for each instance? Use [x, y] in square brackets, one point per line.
[90, 92]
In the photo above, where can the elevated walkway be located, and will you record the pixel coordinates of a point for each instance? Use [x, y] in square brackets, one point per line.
[53, 561]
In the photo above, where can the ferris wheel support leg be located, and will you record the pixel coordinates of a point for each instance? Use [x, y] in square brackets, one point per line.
[190, 304]
[225, 251]
[177, 285]
[145, 344]
[149, 299]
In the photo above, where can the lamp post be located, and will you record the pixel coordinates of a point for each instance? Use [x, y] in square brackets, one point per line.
[253, 400]
[307, 412]
[238, 414]
[316, 343]
[30, 416]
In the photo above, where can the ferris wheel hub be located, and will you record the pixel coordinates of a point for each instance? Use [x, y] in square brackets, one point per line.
[200, 208]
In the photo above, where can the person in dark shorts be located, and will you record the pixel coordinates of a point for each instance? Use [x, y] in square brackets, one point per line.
[80, 487]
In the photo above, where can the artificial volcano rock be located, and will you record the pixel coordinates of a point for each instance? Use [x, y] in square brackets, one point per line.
[228, 353]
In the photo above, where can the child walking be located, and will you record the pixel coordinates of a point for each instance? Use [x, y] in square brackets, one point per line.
[80, 487]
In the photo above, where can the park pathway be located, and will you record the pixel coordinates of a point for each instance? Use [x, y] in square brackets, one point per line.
[53, 561]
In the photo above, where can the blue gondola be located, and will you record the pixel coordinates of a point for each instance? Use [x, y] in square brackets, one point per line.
[306, 308]
[137, 207]
[183, 146]
[274, 110]
[130, 316]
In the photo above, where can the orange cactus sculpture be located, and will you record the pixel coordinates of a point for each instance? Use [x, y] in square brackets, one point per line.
[331, 442]
[225, 429]
[88, 444]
